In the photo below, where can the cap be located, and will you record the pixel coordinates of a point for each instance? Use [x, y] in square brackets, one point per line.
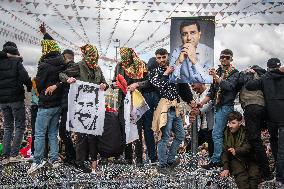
[273, 63]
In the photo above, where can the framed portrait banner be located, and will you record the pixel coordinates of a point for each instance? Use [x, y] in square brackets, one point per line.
[192, 49]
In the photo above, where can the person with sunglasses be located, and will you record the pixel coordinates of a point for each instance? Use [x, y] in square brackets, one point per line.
[223, 92]
[192, 59]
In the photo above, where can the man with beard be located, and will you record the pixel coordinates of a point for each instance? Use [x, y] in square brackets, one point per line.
[167, 116]
[223, 92]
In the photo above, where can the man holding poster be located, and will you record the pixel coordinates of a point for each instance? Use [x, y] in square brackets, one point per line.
[192, 59]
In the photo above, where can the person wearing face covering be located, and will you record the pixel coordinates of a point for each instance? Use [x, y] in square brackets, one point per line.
[86, 70]
[133, 70]
[50, 65]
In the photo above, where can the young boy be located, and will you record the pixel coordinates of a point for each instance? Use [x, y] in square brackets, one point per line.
[237, 158]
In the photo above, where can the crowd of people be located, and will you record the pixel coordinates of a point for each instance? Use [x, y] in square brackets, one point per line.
[234, 140]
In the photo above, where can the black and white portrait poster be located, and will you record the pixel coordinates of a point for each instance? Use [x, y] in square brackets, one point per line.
[192, 49]
[86, 108]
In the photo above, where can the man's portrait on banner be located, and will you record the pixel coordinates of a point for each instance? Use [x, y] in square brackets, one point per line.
[86, 108]
[85, 103]
[192, 49]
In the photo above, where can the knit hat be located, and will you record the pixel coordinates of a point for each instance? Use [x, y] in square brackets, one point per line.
[273, 63]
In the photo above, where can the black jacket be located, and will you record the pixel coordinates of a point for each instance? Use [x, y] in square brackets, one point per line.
[245, 77]
[272, 86]
[229, 88]
[13, 76]
[65, 89]
[48, 75]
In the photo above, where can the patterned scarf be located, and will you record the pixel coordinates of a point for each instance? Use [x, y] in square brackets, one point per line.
[90, 55]
[134, 67]
[225, 74]
[49, 46]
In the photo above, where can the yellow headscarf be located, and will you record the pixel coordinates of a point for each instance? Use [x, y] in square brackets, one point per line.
[49, 46]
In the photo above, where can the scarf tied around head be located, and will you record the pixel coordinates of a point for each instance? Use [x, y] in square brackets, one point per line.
[49, 46]
[134, 67]
[90, 55]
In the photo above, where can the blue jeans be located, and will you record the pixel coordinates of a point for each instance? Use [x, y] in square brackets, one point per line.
[152, 100]
[220, 122]
[46, 121]
[173, 124]
[14, 118]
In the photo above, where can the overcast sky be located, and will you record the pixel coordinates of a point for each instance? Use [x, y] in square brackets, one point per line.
[78, 24]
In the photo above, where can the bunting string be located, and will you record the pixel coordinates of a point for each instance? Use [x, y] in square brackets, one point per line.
[66, 22]
[15, 36]
[164, 23]
[250, 15]
[20, 32]
[197, 5]
[99, 27]
[150, 3]
[133, 32]
[114, 27]
[74, 8]
[69, 44]
[155, 44]
[241, 10]
[189, 13]
[262, 12]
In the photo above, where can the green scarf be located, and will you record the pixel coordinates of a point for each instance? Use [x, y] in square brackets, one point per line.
[234, 140]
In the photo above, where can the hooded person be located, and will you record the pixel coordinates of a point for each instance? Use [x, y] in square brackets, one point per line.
[50, 65]
[86, 70]
[133, 70]
[11, 48]
[13, 77]
[272, 86]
